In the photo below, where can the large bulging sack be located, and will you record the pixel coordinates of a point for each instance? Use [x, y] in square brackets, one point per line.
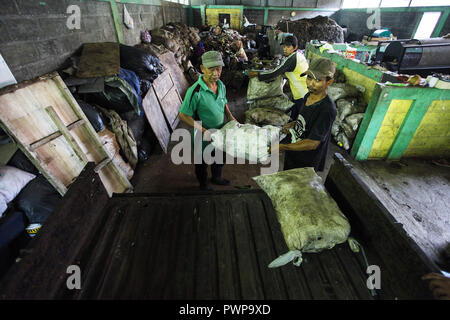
[342, 90]
[310, 219]
[354, 120]
[266, 116]
[245, 141]
[281, 102]
[262, 89]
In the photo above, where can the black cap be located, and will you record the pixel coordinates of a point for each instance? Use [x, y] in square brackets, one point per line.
[290, 41]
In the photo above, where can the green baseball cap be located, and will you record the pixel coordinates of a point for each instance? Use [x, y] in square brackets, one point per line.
[320, 68]
[212, 59]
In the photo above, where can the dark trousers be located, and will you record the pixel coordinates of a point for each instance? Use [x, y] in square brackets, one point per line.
[201, 171]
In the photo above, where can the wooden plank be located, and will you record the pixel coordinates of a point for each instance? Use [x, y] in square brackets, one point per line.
[354, 271]
[33, 157]
[168, 60]
[168, 97]
[146, 260]
[226, 255]
[170, 285]
[206, 272]
[162, 276]
[290, 274]
[156, 119]
[113, 179]
[186, 266]
[65, 132]
[171, 105]
[163, 84]
[29, 124]
[336, 275]
[272, 280]
[320, 286]
[249, 276]
[55, 135]
[99, 60]
[97, 260]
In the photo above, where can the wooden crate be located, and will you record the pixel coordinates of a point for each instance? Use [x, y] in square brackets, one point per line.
[49, 126]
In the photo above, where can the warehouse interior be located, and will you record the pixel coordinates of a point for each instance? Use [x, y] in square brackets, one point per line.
[94, 176]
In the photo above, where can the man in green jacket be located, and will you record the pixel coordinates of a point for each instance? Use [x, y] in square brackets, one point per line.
[206, 101]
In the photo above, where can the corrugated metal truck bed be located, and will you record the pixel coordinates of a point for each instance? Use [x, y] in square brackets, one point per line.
[201, 246]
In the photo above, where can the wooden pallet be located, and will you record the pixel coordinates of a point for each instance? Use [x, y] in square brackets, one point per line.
[49, 126]
[161, 106]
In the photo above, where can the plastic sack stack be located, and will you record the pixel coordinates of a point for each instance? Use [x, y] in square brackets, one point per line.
[318, 28]
[179, 39]
[261, 94]
[245, 141]
[350, 112]
[266, 116]
[310, 219]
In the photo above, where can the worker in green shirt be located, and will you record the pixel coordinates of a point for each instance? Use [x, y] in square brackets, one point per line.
[206, 101]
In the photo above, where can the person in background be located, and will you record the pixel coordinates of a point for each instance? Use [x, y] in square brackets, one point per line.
[241, 56]
[309, 132]
[292, 67]
[206, 101]
[199, 50]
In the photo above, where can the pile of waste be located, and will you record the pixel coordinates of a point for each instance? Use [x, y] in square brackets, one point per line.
[225, 41]
[177, 38]
[319, 28]
[127, 134]
[350, 107]
[262, 94]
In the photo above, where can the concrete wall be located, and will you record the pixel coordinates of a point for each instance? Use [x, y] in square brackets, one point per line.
[35, 40]
[401, 24]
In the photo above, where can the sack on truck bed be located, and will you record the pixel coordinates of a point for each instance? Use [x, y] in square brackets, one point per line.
[310, 219]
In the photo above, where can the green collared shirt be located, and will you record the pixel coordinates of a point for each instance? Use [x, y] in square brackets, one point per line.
[204, 105]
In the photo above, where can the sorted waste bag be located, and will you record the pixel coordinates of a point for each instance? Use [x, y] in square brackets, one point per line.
[93, 115]
[145, 65]
[338, 91]
[262, 89]
[354, 120]
[343, 141]
[310, 219]
[118, 96]
[281, 102]
[38, 200]
[266, 116]
[346, 107]
[245, 141]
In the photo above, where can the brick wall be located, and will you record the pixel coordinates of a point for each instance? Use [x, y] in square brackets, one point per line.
[35, 40]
